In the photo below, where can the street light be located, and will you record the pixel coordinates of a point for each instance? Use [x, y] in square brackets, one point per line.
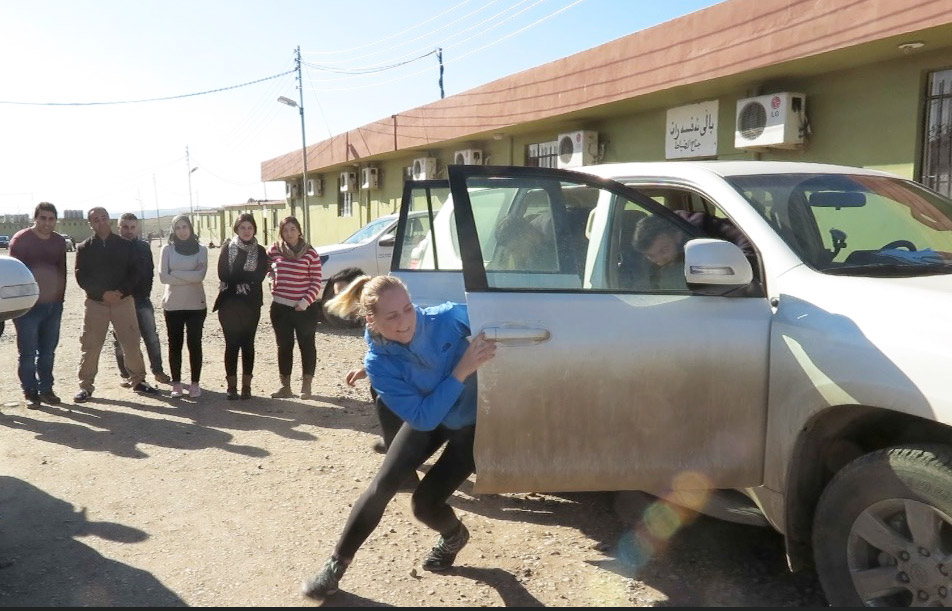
[191, 210]
[289, 102]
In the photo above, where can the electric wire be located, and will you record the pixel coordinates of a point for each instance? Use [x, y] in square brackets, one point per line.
[161, 99]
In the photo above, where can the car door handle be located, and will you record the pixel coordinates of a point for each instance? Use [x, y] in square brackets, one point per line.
[516, 335]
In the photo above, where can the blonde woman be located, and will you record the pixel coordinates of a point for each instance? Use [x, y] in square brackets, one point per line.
[421, 364]
[183, 269]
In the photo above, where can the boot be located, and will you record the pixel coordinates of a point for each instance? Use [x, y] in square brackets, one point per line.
[232, 387]
[246, 386]
[285, 391]
[306, 387]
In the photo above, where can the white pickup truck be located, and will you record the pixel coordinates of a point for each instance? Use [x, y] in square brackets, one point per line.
[801, 362]
[368, 251]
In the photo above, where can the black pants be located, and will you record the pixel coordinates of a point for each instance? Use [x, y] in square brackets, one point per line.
[179, 323]
[390, 423]
[239, 323]
[288, 323]
[409, 450]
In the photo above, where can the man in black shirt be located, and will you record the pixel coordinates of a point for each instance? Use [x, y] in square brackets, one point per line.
[107, 269]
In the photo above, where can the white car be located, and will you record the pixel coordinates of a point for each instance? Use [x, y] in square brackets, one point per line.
[368, 251]
[800, 367]
[18, 289]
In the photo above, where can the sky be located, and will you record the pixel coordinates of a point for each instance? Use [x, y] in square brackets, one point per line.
[362, 61]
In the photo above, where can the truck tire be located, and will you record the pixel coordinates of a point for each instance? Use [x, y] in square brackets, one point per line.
[882, 533]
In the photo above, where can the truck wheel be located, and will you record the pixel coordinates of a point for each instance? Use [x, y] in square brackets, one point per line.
[882, 534]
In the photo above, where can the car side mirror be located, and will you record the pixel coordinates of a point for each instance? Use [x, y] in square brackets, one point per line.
[715, 267]
[387, 240]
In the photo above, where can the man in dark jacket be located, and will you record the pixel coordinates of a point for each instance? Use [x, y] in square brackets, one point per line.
[145, 312]
[108, 271]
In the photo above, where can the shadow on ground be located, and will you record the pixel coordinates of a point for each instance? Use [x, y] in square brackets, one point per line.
[43, 564]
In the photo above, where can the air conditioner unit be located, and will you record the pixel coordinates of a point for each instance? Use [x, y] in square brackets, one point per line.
[424, 168]
[315, 186]
[577, 148]
[292, 189]
[348, 182]
[468, 157]
[368, 178]
[776, 120]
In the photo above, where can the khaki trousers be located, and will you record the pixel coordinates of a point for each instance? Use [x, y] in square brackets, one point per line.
[95, 326]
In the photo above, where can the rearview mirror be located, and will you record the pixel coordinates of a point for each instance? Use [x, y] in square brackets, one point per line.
[837, 199]
[387, 240]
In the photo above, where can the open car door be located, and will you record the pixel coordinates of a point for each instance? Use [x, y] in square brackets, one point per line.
[603, 380]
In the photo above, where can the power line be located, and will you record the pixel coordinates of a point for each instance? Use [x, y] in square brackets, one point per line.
[162, 99]
[366, 70]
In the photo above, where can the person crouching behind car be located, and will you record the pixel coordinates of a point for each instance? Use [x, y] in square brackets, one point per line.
[409, 349]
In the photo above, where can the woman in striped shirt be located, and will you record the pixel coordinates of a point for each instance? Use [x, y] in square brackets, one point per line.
[295, 288]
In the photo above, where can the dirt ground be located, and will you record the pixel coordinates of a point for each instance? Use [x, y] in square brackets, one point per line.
[130, 500]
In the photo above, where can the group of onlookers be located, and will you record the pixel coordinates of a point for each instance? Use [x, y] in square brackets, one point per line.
[116, 272]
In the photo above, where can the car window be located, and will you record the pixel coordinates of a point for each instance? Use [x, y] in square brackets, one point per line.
[368, 231]
[421, 247]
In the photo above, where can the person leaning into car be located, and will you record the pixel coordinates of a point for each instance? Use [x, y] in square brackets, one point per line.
[107, 269]
[43, 251]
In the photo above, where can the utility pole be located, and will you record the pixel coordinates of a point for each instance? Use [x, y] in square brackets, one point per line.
[158, 223]
[141, 211]
[188, 166]
[439, 58]
[300, 84]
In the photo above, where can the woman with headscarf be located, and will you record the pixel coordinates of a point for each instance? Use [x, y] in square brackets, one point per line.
[184, 264]
[242, 266]
[295, 288]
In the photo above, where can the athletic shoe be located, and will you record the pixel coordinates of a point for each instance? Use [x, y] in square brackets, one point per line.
[49, 398]
[162, 377]
[325, 583]
[143, 388]
[82, 396]
[443, 554]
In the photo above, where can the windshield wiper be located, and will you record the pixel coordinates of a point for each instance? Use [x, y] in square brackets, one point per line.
[890, 270]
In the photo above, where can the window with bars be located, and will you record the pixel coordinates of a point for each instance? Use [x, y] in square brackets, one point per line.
[543, 155]
[345, 205]
[937, 141]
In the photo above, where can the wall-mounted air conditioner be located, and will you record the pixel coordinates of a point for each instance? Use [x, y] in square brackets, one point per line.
[348, 182]
[424, 168]
[577, 148]
[292, 189]
[468, 157]
[368, 178]
[315, 186]
[777, 120]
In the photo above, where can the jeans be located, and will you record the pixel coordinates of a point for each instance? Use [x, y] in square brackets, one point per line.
[239, 323]
[37, 336]
[179, 323]
[288, 323]
[145, 314]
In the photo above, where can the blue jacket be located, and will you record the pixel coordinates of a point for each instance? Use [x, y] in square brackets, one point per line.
[416, 380]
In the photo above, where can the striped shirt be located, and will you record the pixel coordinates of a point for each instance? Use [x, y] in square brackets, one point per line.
[295, 281]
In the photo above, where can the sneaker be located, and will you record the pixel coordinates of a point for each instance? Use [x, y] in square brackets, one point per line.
[82, 396]
[126, 383]
[143, 388]
[443, 554]
[32, 399]
[49, 398]
[194, 391]
[379, 447]
[162, 377]
[325, 583]
[177, 391]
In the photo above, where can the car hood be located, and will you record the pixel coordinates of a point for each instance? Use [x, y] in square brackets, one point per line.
[335, 249]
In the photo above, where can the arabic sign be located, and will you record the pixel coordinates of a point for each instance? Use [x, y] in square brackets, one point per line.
[691, 131]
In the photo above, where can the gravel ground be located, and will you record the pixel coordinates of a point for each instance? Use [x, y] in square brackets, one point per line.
[129, 500]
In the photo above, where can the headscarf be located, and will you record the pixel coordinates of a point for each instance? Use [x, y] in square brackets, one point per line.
[188, 246]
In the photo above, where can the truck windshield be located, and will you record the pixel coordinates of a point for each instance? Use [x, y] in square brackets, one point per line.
[368, 231]
[854, 224]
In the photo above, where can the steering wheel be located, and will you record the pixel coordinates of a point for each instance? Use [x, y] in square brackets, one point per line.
[900, 244]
